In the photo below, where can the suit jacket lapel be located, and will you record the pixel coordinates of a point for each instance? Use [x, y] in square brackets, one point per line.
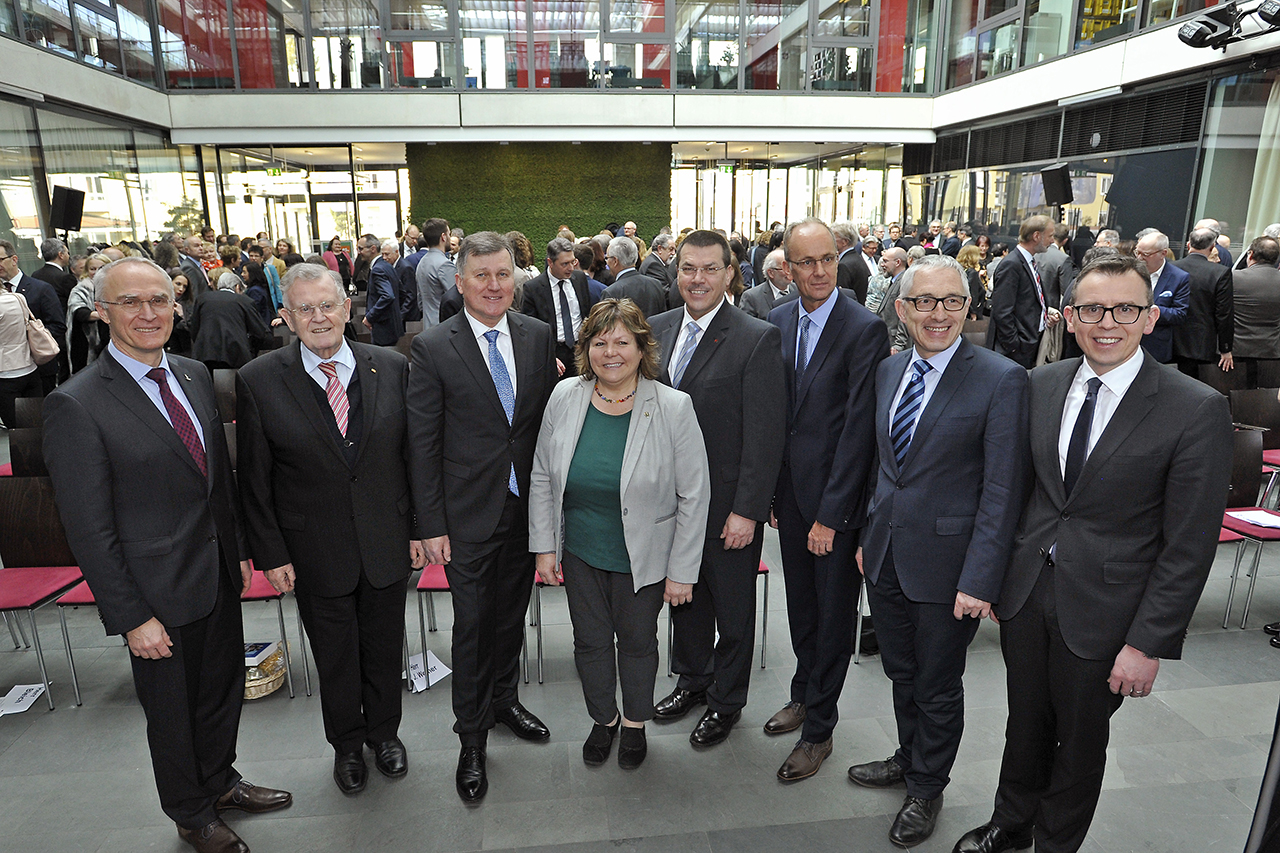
[128, 392]
[667, 345]
[711, 339]
[1135, 406]
[468, 350]
[1046, 427]
[525, 368]
[790, 320]
[641, 417]
[894, 370]
[296, 380]
[959, 367]
[830, 331]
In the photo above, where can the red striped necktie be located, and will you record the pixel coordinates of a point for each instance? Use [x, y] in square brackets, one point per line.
[337, 395]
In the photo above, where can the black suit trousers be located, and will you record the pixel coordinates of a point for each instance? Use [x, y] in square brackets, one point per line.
[490, 583]
[1060, 709]
[357, 641]
[565, 354]
[821, 595]
[724, 597]
[923, 649]
[192, 703]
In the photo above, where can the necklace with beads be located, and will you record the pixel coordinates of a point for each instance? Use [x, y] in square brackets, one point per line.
[620, 399]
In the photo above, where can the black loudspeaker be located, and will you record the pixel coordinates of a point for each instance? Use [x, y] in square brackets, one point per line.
[68, 207]
[1057, 185]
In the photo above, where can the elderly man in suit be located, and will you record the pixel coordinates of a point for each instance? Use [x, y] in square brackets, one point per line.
[952, 475]
[382, 314]
[654, 265]
[1131, 462]
[731, 365]
[435, 273]
[226, 328]
[559, 296]
[645, 292]
[851, 273]
[323, 453]
[775, 289]
[893, 265]
[192, 247]
[477, 390]
[144, 487]
[830, 348]
[1020, 312]
[1206, 336]
[1171, 291]
[1256, 304]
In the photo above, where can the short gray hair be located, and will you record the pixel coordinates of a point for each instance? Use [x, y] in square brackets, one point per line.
[933, 262]
[663, 239]
[557, 247]
[51, 248]
[807, 222]
[484, 243]
[624, 249]
[309, 272]
[773, 261]
[1146, 232]
[230, 281]
[844, 230]
[1109, 236]
[1161, 240]
[389, 244]
[100, 277]
[1272, 231]
[915, 253]
[1202, 239]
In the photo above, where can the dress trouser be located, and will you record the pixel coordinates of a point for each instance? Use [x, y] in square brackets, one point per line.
[922, 648]
[11, 389]
[192, 703]
[821, 595]
[604, 605]
[1060, 710]
[724, 597]
[490, 583]
[357, 640]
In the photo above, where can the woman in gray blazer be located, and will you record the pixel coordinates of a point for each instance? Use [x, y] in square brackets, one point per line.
[618, 498]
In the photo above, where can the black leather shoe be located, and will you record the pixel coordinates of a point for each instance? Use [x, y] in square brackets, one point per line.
[350, 772]
[390, 758]
[877, 774]
[678, 703]
[632, 748]
[522, 723]
[472, 782]
[713, 728]
[217, 837]
[598, 745]
[250, 798]
[990, 838]
[915, 821]
[1273, 629]
[1275, 642]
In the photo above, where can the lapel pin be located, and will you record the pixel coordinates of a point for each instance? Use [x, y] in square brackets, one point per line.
[373, 370]
[646, 414]
[186, 376]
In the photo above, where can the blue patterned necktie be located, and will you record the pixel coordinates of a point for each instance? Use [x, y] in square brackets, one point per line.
[802, 356]
[686, 353]
[506, 394]
[904, 420]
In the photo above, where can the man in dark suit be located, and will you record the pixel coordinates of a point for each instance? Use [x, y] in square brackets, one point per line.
[226, 328]
[42, 299]
[559, 297]
[55, 271]
[1171, 291]
[1206, 336]
[1131, 462]
[1256, 305]
[852, 272]
[323, 453]
[382, 312]
[951, 428]
[830, 348]
[407, 286]
[1223, 243]
[479, 383]
[139, 460]
[654, 265]
[1019, 310]
[647, 293]
[774, 290]
[190, 264]
[948, 242]
[731, 365]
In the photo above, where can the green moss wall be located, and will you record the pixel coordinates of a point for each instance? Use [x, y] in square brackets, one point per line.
[537, 187]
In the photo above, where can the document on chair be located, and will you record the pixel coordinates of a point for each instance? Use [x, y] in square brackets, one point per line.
[421, 676]
[1257, 517]
[20, 698]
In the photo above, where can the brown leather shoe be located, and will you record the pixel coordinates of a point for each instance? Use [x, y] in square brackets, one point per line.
[217, 837]
[790, 718]
[250, 798]
[804, 760]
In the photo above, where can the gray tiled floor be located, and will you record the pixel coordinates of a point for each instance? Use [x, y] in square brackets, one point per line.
[1184, 771]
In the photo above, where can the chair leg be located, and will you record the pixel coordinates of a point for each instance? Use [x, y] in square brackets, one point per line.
[533, 620]
[44, 673]
[857, 628]
[1253, 580]
[764, 622]
[12, 633]
[671, 633]
[1235, 574]
[284, 644]
[404, 647]
[524, 654]
[302, 644]
[21, 631]
[537, 597]
[1266, 493]
[422, 627]
[431, 611]
[66, 641]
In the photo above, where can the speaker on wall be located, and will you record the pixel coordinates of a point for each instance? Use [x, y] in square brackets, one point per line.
[68, 207]
[1057, 185]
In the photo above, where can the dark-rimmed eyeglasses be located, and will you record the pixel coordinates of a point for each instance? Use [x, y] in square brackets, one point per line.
[925, 304]
[1125, 315]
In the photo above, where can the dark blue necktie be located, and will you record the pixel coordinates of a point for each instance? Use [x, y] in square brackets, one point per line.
[506, 394]
[1077, 450]
[904, 420]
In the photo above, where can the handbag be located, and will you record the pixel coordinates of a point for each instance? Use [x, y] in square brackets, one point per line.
[44, 346]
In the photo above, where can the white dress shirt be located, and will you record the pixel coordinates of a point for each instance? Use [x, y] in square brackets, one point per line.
[138, 370]
[575, 314]
[505, 348]
[704, 322]
[1115, 382]
[937, 361]
[344, 358]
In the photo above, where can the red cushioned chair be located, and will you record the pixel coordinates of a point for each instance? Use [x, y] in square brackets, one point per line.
[761, 572]
[6, 470]
[39, 565]
[1259, 409]
[433, 580]
[1246, 480]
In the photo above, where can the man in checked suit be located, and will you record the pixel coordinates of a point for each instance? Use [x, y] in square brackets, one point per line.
[323, 465]
[1019, 311]
[559, 297]
[830, 348]
[731, 365]
[1131, 463]
[139, 460]
[952, 476]
[479, 383]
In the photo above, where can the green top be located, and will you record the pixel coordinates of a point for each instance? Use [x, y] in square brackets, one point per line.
[592, 493]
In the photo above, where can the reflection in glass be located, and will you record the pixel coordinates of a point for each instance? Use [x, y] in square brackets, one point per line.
[419, 15]
[566, 44]
[99, 39]
[998, 50]
[845, 18]
[921, 25]
[1047, 32]
[707, 45]
[95, 158]
[422, 64]
[961, 58]
[767, 24]
[260, 44]
[793, 62]
[346, 43]
[135, 41]
[494, 51]
[48, 24]
[642, 66]
[1237, 176]
[8, 20]
[19, 212]
[1103, 20]
[637, 16]
[843, 69]
[1165, 10]
[195, 45]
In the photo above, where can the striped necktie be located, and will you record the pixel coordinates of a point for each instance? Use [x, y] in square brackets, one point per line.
[337, 395]
[904, 420]
[693, 331]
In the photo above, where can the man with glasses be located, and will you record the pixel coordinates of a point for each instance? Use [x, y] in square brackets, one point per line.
[830, 348]
[952, 476]
[144, 485]
[323, 454]
[1171, 288]
[1131, 461]
[560, 297]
